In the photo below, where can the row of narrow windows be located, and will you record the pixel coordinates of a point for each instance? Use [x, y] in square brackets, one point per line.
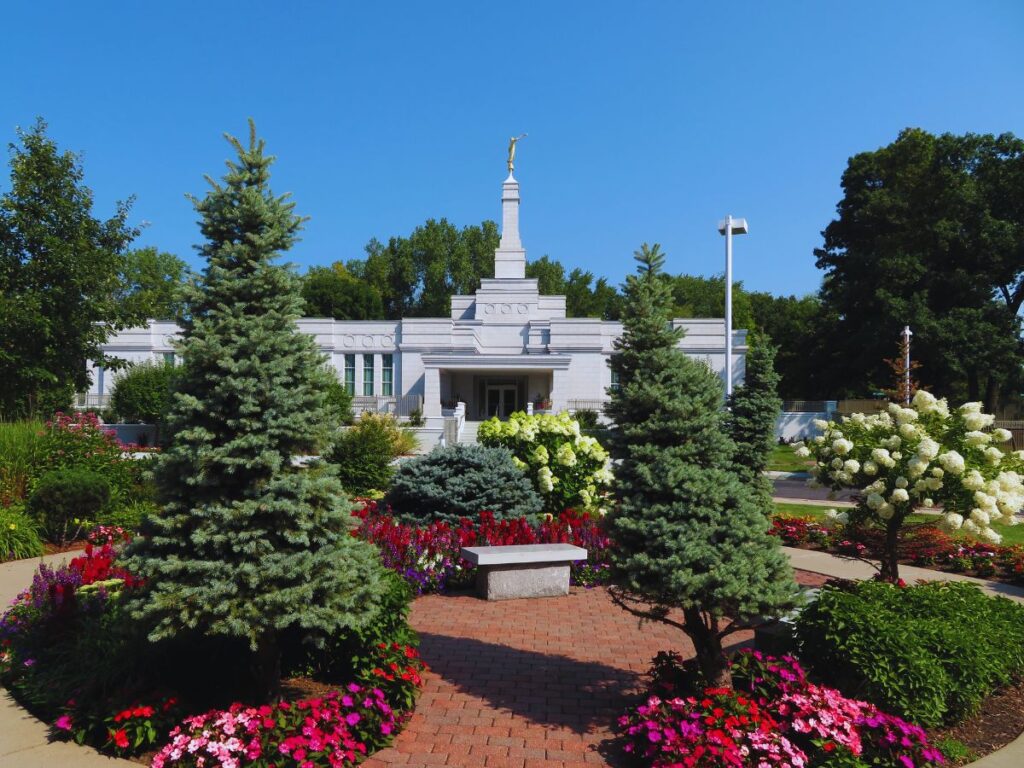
[387, 374]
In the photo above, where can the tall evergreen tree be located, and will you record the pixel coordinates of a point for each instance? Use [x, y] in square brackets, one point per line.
[247, 546]
[690, 535]
[753, 412]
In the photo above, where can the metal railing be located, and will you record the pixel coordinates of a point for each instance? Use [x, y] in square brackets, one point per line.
[85, 400]
[399, 407]
[807, 406]
[586, 405]
[1015, 428]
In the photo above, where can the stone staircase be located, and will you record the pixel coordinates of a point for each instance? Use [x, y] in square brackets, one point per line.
[469, 433]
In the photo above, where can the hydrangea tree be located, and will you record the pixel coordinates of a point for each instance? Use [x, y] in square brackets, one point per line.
[568, 469]
[920, 456]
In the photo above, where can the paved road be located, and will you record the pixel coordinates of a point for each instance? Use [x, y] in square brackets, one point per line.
[797, 489]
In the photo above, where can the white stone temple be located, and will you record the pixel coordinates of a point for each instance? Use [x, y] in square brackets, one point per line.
[504, 348]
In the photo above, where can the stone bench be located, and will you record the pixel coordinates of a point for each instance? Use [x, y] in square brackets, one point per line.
[523, 570]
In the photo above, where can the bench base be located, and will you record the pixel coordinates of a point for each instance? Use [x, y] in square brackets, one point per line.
[516, 580]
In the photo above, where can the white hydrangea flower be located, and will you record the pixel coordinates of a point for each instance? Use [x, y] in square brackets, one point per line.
[874, 500]
[928, 502]
[973, 481]
[991, 536]
[901, 482]
[886, 511]
[870, 468]
[803, 452]
[928, 449]
[980, 517]
[952, 462]
[842, 446]
[977, 439]
[899, 496]
[975, 421]
[952, 521]
[993, 455]
[852, 466]
[923, 401]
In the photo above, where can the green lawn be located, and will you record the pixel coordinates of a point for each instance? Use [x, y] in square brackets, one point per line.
[1012, 534]
[784, 459]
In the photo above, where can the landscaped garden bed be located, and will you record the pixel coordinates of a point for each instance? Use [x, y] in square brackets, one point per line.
[923, 545]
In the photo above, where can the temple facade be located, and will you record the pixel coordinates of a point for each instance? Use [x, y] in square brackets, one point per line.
[504, 348]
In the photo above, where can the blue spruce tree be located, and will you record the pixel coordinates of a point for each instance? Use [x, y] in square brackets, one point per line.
[692, 543]
[246, 545]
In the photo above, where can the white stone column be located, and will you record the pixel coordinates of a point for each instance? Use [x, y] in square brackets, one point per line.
[431, 393]
[559, 389]
[510, 258]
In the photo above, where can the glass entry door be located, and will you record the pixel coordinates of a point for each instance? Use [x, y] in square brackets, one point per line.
[501, 400]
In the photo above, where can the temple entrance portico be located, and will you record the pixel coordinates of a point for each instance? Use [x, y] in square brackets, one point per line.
[493, 385]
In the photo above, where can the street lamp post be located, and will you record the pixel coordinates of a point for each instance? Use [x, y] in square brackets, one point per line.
[728, 227]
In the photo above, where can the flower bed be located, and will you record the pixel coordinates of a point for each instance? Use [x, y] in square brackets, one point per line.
[923, 545]
[427, 557]
[69, 654]
[773, 717]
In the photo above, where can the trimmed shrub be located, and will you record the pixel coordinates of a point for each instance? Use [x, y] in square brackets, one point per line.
[930, 653]
[363, 453]
[587, 418]
[143, 392]
[460, 481]
[338, 400]
[66, 501]
[567, 469]
[19, 535]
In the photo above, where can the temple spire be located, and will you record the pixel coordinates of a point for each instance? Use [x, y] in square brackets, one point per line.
[510, 257]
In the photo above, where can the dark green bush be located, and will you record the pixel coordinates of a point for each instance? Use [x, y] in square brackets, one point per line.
[143, 392]
[19, 534]
[587, 418]
[462, 481]
[67, 500]
[363, 453]
[345, 656]
[128, 516]
[339, 401]
[929, 653]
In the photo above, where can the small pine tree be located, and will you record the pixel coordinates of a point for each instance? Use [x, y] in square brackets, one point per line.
[753, 412]
[246, 545]
[690, 535]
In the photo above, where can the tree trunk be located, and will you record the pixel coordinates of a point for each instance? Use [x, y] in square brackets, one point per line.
[973, 388]
[711, 659]
[991, 395]
[890, 570]
[267, 669]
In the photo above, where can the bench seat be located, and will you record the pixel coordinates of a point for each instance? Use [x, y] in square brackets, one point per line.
[523, 570]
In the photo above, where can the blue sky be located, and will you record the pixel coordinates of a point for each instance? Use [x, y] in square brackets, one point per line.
[648, 121]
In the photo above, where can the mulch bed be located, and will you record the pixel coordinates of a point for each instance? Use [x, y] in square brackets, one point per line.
[1000, 721]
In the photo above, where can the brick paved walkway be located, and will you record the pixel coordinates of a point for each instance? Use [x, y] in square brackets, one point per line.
[526, 682]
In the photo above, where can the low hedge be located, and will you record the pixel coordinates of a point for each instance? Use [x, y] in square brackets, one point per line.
[930, 653]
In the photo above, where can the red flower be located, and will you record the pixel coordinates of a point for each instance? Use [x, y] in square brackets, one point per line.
[120, 738]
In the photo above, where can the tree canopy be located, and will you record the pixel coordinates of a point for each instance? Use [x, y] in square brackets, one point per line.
[60, 271]
[929, 233]
[151, 282]
[334, 292]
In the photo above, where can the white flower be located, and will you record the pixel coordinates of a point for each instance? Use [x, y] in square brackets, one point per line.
[899, 496]
[1001, 435]
[952, 521]
[973, 481]
[977, 438]
[909, 431]
[901, 482]
[870, 468]
[886, 511]
[917, 466]
[923, 400]
[834, 517]
[820, 424]
[952, 461]
[803, 452]
[852, 466]
[836, 463]
[991, 536]
[874, 500]
[842, 446]
[974, 407]
[927, 449]
[980, 517]
[928, 502]
[993, 455]
[975, 421]
[971, 527]
[938, 472]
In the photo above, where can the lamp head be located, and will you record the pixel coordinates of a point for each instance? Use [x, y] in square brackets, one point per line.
[739, 227]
